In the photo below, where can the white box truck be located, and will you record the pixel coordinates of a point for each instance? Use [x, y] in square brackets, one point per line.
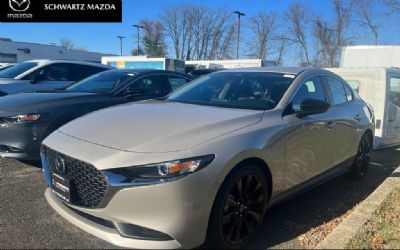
[143, 62]
[380, 87]
[370, 56]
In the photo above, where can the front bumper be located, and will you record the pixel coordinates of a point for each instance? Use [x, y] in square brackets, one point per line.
[21, 141]
[178, 209]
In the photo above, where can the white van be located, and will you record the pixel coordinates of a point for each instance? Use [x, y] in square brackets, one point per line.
[380, 87]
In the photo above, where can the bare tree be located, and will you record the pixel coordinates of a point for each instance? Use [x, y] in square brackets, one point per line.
[297, 23]
[393, 4]
[364, 11]
[332, 35]
[66, 43]
[342, 12]
[153, 39]
[327, 46]
[262, 25]
[171, 20]
[198, 32]
[281, 42]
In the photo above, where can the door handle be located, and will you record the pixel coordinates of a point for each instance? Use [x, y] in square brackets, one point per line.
[357, 118]
[330, 125]
[390, 120]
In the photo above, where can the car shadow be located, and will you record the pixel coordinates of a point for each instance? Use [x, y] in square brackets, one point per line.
[286, 222]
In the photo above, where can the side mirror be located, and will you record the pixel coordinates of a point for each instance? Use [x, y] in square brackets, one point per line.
[38, 78]
[129, 93]
[312, 106]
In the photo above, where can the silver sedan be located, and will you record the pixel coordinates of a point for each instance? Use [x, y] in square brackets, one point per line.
[203, 165]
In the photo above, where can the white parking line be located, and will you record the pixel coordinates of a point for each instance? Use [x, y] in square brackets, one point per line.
[376, 164]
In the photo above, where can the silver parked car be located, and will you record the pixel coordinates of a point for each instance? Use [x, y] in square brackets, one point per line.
[203, 165]
[39, 75]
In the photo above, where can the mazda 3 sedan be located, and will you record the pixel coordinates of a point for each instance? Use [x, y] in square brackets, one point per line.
[203, 165]
[27, 118]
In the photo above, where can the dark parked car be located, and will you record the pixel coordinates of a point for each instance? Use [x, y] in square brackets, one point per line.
[27, 118]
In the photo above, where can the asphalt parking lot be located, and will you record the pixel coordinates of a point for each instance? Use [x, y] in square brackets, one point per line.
[26, 221]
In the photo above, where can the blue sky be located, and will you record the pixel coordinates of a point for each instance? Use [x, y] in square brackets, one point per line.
[101, 37]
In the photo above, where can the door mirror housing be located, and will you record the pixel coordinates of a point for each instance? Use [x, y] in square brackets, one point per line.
[312, 107]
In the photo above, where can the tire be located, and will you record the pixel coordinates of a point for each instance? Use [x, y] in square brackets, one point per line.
[361, 163]
[236, 216]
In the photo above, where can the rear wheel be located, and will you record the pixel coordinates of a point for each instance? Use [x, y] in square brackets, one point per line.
[361, 163]
[239, 208]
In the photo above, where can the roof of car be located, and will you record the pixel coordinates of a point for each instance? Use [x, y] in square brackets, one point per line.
[41, 61]
[142, 71]
[272, 69]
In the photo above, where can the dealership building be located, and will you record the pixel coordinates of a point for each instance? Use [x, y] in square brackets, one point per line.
[16, 52]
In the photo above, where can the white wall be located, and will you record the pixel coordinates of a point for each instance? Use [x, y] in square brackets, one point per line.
[370, 56]
[11, 51]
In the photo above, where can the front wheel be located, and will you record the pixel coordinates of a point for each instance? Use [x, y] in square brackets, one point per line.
[361, 163]
[239, 209]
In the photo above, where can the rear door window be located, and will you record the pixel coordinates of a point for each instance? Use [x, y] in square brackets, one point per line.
[80, 72]
[176, 81]
[153, 86]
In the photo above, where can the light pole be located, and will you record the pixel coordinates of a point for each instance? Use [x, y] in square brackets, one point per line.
[120, 38]
[138, 36]
[238, 41]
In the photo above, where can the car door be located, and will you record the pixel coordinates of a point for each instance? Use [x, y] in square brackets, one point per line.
[308, 148]
[392, 134]
[49, 77]
[347, 116]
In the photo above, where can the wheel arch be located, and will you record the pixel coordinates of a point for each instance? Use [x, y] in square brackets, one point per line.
[254, 160]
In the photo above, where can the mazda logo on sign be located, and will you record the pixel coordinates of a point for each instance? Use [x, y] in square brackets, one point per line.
[60, 165]
[19, 5]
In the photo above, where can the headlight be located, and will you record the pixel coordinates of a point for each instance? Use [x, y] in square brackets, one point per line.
[157, 172]
[21, 118]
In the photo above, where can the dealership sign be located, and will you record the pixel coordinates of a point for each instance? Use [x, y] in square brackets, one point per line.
[60, 11]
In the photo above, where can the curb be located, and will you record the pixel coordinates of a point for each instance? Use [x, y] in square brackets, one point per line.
[342, 234]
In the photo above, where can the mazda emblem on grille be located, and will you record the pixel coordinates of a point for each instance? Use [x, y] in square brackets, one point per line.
[60, 165]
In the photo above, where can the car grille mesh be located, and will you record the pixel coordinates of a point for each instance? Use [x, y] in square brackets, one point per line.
[87, 184]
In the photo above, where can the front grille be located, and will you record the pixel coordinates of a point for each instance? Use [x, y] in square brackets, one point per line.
[87, 184]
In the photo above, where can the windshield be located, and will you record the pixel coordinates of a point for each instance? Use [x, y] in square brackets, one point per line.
[103, 82]
[244, 90]
[17, 70]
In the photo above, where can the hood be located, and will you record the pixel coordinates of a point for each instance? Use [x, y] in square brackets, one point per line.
[34, 102]
[157, 126]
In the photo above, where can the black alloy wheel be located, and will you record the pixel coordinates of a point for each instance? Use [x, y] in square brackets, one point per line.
[239, 208]
[362, 160]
